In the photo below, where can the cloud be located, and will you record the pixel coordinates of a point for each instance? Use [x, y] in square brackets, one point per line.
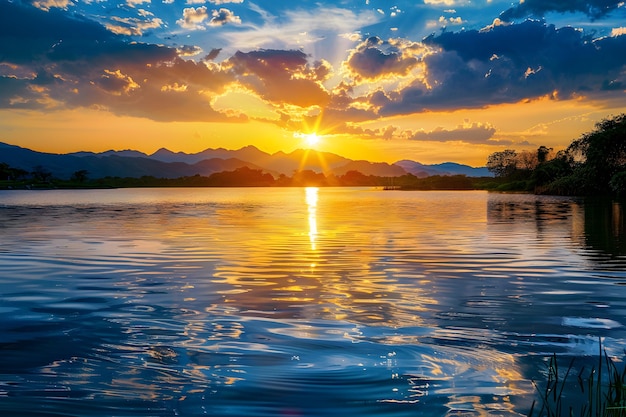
[468, 132]
[384, 133]
[282, 77]
[451, 20]
[116, 83]
[28, 34]
[286, 30]
[213, 54]
[496, 22]
[447, 3]
[374, 58]
[133, 3]
[18, 93]
[51, 60]
[223, 16]
[176, 90]
[353, 37]
[193, 18]
[595, 9]
[443, 22]
[618, 31]
[188, 50]
[509, 64]
[132, 26]
[48, 4]
[218, 2]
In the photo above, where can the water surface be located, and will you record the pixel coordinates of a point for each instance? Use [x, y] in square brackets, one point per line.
[299, 301]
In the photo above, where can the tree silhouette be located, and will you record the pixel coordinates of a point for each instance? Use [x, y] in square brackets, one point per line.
[542, 154]
[80, 176]
[503, 163]
[41, 174]
[600, 156]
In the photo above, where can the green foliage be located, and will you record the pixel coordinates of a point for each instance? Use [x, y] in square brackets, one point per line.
[549, 171]
[515, 186]
[600, 155]
[594, 164]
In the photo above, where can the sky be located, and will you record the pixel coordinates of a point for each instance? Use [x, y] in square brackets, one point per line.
[427, 80]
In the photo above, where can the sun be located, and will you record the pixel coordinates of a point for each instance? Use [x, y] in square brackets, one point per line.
[312, 140]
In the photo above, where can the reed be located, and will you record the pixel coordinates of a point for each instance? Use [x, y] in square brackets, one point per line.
[596, 392]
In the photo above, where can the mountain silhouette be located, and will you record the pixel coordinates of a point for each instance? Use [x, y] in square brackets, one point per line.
[167, 164]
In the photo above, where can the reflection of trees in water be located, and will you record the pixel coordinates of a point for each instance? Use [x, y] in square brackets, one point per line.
[604, 226]
[551, 217]
[541, 210]
[597, 224]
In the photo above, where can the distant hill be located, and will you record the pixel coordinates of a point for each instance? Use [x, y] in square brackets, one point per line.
[446, 168]
[167, 164]
[379, 169]
[111, 164]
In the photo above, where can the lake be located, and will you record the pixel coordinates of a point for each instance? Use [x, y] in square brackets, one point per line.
[300, 301]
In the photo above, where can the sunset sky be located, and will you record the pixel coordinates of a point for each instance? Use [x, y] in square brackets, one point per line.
[427, 80]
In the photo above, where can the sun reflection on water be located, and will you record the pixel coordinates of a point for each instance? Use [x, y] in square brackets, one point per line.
[311, 202]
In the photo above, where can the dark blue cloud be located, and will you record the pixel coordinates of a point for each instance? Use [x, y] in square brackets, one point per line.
[512, 63]
[595, 9]
[27, 33]
[213, 54]
[59, 41]
[53, 59]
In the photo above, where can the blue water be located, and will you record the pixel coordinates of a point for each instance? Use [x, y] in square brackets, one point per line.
[299, 302]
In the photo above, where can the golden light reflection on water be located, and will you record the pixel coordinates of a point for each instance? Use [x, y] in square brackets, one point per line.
[311, 202]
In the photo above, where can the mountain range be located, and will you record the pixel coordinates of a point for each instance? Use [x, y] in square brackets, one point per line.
[167, 164]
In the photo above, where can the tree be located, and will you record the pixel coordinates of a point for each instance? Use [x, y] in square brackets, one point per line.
[11, 174]
[527, 160]
[41, 174]
[80, 176]
[5, 171]
[601, 155]
[543, 153]
[503, 163]
[558, 167]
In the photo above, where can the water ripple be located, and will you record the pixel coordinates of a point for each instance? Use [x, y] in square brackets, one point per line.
[238, 302]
